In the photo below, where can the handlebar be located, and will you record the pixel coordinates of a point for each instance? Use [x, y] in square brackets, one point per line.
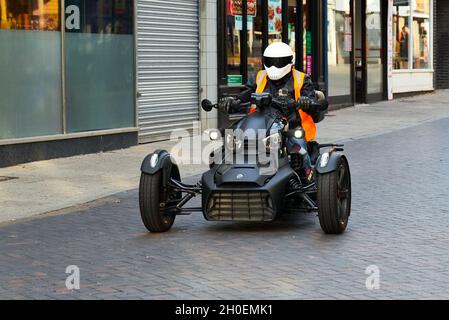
[265, 100]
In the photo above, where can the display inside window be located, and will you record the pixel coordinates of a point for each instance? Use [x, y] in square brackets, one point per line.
[412, 29]
[265, 23]
[401, 32]
[274, 21]
[421, 32]
[40, 15]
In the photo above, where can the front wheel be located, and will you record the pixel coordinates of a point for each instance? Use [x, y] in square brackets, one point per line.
[153, 216]
[334, 198]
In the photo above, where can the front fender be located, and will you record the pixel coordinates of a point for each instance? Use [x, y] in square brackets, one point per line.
[332, 164]
[164, 163]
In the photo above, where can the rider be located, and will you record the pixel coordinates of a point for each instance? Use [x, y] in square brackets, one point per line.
[279, 73]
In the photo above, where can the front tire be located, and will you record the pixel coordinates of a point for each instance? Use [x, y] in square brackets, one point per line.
[152, 214]
[334, 199]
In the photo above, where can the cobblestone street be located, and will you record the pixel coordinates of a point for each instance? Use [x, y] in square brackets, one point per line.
[399, 223]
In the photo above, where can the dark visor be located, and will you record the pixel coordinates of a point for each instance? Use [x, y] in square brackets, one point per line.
[277, 62]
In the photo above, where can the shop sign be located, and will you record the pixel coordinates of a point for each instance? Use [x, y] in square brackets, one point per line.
[309, 52]
[235, 8]
[235, 80]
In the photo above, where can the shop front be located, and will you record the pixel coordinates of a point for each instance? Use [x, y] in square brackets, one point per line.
[357, 51]
[413, 35]
[340, 43]
[356, 54]
[246, 28]
[67, 78]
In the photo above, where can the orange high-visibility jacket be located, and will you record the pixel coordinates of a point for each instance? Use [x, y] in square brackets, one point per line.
[298, 79]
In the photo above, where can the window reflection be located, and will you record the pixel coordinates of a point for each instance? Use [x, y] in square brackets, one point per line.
[374, 46]
[40, 15]
[99, 65]
[103, 16]
[30, 64]
[339, 47]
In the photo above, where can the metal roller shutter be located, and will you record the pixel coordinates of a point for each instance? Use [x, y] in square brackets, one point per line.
[168, 66]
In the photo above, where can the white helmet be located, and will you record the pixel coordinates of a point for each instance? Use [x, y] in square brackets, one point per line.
[278, 60]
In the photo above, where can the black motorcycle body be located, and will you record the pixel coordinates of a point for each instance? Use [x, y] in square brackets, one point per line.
[252, 177]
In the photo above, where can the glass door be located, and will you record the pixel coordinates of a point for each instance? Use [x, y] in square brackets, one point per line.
[374, 55]
[340, 51]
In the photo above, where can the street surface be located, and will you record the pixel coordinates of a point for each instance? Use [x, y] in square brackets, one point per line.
[399, 226]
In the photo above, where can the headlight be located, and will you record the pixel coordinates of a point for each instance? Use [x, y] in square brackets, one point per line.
[229, 140]
[324, 160]
[299, 133]
[153, 160]
[214, 135]
[273, 141]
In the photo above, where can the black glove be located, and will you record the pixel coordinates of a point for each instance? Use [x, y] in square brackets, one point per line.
[305, 104]
[229, 104]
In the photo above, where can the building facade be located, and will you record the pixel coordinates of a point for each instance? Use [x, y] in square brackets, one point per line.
[67, 84]
[84, 76]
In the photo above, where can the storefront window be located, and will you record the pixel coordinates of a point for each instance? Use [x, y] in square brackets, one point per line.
[374, 47]
[339, 47]
[234, 25]
[274, 21]
[40, 15]
[99, 64]
[307, 38]
[292, 24]
[421, 32]
[30, 64]
[267, 21]
[254, 26]
[401, 31]
[412, 30]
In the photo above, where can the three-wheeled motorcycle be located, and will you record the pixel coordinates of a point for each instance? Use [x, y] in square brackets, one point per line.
[253, 177]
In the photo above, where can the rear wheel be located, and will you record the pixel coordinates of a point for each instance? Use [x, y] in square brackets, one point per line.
[334, 199]
[151, 201]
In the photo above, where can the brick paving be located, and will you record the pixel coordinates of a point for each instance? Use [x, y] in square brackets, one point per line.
[399, 223]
